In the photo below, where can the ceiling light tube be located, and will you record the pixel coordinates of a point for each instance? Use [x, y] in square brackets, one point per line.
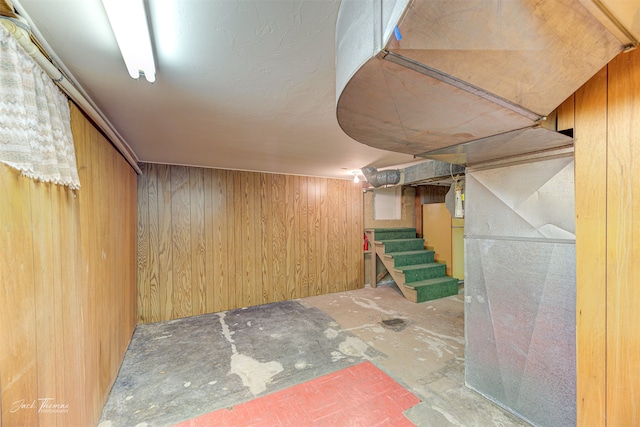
[129, 23]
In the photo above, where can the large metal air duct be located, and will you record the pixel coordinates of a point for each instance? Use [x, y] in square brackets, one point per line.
[381, 178]
[430, 170]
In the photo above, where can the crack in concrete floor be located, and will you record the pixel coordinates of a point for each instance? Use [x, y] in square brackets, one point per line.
[177, 370]
[426, 355]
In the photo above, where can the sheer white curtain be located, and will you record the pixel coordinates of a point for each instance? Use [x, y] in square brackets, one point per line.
[35, 126]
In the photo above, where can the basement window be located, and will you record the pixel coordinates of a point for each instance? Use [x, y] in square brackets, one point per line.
[387, 203]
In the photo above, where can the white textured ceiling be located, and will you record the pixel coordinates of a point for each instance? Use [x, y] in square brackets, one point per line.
[240, 84]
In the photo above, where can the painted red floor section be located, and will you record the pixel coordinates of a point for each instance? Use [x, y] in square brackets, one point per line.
[361, 395]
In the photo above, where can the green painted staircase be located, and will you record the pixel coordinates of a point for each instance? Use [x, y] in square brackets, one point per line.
[412, 267]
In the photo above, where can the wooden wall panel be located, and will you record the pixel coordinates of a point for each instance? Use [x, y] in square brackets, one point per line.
[266, 236]
[145, 224]
[181, 241]
[335, 251]
[301, 202]
[219, 219]
[198, 237]
[291, 185]
[313, 222]
[253, 218]
[607, 200]
[427, 194]
[87, 154]
[209, 287]
[278, 238]
[165, 245]
[231, 266]
[68, 273]
[436, 225]
[323, 243]
[623, 230]
[246, 232]
[70, 342]
[106, 221]
[18, 328]
[153, 243]
[566, 114]
[237, 239]
[357, 216]
[44, 295]
[591, 193]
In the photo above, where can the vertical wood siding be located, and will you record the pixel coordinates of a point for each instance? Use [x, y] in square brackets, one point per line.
[591, 191]
[607, 162]
[67, 285]
[623, 235]
[211, 240]
[427, 194]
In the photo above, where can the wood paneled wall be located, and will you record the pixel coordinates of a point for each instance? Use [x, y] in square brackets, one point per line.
[211, 240]
[67, 286]
[607, 164]
[425, 195]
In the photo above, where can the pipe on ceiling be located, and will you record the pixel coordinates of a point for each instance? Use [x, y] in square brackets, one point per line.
[381, 178]
[21, 30]
[424, 172]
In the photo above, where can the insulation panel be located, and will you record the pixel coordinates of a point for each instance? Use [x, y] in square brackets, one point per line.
[520, 289]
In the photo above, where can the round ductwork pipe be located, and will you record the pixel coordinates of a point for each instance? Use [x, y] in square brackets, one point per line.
[383, 178]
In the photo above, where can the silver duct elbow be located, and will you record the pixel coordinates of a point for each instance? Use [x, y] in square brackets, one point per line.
[381, 178]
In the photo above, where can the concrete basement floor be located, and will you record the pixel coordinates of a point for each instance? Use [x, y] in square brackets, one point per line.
[177, 370]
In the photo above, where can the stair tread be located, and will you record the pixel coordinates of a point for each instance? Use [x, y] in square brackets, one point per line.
[419, 266]
[392, 254]
[408, 239]
[429, 282]
[391, 229]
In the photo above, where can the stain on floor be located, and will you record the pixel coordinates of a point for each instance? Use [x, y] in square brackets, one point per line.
[177, 370]
[396, 325]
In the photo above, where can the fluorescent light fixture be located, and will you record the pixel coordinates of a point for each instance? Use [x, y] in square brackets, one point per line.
[129, 23]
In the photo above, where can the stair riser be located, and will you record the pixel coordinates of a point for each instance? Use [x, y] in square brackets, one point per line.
[379, 236]
[423, 258]
[428, 293]
[412, 245]
[425, 273]
[409, 293]
[398, 244]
